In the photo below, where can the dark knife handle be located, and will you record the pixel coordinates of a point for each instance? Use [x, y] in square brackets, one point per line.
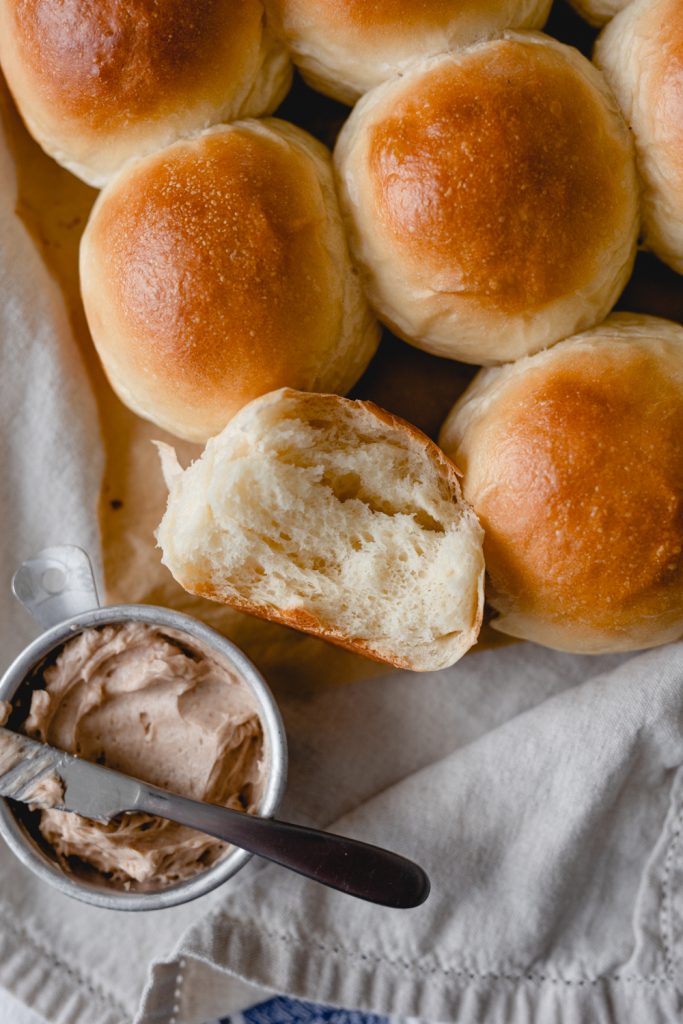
[348, 865]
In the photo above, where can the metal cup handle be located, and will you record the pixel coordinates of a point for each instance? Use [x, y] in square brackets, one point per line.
[56, 584]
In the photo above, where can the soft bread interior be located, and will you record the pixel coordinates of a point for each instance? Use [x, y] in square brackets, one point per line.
[334, 517]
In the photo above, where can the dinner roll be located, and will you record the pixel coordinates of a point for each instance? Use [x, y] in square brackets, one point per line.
[597, 12]
[334, 517]
[641, 53]
[346, 47]
[573, 461]
[100, 81]
[491, 197]
[217, 270]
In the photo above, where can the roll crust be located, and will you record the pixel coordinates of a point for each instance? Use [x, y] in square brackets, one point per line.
[598, 12]
[573, 461]
[346, 47]
[492, 198]
[100, 82]
[641, 54]
[492, 232]
[217, 270]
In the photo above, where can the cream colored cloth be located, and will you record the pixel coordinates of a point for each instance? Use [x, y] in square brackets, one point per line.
[66, 961]
[541, 791]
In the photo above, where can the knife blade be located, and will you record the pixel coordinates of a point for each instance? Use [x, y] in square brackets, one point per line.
[88, 789]
[348, 865]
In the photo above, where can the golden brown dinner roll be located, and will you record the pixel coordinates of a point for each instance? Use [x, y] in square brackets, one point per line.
[345, 47]
[597, 12]
[573, 461]
[334, 517]
[641, 54]
[100, 81]
[491, 198]
[217, 270]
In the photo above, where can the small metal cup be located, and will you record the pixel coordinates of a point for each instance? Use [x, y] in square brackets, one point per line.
[58, 588]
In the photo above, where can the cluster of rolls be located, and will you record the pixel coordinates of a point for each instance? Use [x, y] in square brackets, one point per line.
[484, 201]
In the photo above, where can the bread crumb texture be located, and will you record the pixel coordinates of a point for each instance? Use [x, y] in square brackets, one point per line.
[334, 517]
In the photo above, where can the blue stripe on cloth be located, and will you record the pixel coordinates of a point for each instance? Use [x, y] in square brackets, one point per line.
[282, 1010]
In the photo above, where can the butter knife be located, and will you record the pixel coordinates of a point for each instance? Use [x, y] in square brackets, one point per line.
[348, 865]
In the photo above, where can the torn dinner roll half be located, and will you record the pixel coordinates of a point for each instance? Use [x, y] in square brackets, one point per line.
[573, 461]
[334, 517]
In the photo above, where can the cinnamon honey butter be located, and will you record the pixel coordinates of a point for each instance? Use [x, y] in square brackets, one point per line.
[48, 790]
[154, 704]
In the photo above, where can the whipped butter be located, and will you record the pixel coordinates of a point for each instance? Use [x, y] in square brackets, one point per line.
[152, 703]
[48, 790]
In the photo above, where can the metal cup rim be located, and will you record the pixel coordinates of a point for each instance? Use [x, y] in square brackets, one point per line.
[30, 854]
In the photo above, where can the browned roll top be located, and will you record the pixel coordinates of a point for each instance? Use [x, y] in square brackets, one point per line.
[497, 175]
[573, 461]
[109, 61]
[227, 236]
[382, 18]
[101, 81]
[587, 519]
[217, 270]
[346, 47]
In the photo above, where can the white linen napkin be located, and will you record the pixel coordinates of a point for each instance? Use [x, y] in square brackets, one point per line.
[66, 961]
[540, 790]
